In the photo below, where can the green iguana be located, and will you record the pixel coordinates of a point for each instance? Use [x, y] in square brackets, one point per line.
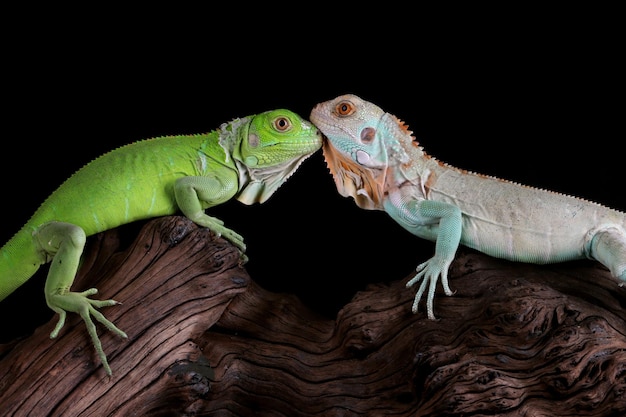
[374, 159]
[247, 159]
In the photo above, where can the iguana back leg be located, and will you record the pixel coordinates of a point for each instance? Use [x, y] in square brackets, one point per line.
[608, 246]
[63, 243]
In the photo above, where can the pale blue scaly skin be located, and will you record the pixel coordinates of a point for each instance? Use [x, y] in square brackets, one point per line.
[374, 159]
[246, 159]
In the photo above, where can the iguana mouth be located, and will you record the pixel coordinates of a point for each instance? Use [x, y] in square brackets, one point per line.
[363, 184]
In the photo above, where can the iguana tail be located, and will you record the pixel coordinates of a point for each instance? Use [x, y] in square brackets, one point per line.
[19, 260]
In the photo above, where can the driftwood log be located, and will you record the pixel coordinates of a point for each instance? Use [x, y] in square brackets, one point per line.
[205, 340]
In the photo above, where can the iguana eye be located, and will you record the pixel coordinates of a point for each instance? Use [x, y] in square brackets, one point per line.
[282, 124]
[344, 108]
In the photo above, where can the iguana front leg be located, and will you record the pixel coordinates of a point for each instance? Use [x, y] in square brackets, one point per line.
[433, 220]
[196, 193]
[64, 244]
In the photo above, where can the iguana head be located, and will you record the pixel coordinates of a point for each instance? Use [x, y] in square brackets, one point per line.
[359, 146]
[268, 149]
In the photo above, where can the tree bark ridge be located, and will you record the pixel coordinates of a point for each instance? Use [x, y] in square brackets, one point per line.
[205, 340]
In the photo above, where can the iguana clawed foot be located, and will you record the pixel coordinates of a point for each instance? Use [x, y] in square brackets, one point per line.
[77, 302]
[232, 236]
[217, 226]
[429, 272]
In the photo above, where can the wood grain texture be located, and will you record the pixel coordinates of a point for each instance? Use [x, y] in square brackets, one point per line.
[205, 340]
[175, 281]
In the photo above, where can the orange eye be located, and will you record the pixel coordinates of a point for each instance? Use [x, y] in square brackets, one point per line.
[282, 124]
[344, 108]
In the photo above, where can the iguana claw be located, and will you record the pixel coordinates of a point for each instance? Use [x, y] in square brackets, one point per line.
[429, 272]
[77, 302]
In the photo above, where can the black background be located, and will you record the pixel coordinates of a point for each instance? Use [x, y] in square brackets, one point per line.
[534, 96]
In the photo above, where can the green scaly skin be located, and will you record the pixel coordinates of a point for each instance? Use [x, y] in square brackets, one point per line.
[247, 159]
[374, 159]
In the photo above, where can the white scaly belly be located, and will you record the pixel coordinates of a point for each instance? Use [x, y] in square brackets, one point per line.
[521, 223]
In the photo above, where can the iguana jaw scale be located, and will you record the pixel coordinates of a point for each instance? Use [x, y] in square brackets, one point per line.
[363, 184]
[258, 184]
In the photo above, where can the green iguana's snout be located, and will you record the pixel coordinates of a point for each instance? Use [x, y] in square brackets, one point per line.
[271, 150]
[277, 137]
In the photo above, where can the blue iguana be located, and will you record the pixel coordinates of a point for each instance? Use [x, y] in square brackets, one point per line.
[375, 159]
[247, 159]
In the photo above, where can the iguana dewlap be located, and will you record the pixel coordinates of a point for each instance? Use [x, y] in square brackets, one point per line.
[247, 159]
[374, 159]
